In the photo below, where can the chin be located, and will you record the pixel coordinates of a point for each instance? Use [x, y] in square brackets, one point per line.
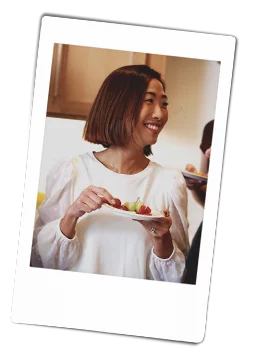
[152, 142]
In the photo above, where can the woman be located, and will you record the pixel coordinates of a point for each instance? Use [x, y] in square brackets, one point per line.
[74, 233]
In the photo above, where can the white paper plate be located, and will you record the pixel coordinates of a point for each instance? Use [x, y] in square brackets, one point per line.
[132, 215]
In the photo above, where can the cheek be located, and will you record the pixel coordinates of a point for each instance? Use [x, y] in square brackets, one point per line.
[166, 118]
[140, 121]
[145, 112]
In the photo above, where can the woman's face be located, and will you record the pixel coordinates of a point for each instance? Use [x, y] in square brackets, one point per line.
[153, 115]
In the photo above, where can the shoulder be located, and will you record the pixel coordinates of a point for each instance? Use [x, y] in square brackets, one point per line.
[64, 170]
[169, 178]
[62, 165]
[69, 164]
[63, 174]
[176, 188]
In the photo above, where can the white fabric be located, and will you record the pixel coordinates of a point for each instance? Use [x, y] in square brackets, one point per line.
[106, 243]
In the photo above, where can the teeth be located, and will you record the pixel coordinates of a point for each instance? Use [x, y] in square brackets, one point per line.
[153, 127]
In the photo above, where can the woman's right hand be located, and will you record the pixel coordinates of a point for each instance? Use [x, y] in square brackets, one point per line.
[88, 201]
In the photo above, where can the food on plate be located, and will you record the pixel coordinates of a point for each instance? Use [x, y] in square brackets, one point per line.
[134, 207]
[197, 173]
[200, 173]
[131, 206]
[144, 210]
[139, 205]
[117, 203]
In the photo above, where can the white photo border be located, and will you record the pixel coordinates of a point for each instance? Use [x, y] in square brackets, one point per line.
[106, 303]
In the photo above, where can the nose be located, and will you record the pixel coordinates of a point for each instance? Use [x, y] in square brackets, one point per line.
[158, 113]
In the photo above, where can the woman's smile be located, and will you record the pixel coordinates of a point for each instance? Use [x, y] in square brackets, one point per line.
[153, 127]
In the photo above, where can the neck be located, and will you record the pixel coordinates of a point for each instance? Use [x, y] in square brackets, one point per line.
[123, 160]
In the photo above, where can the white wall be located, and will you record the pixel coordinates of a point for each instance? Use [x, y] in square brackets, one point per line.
[191, 89]
[62, 140]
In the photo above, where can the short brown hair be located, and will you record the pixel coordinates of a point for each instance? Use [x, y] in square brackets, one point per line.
[116, 108]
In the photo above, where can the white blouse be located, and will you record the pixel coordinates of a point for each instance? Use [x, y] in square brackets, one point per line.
[106, 243]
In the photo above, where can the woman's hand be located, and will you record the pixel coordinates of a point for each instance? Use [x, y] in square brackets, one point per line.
[161, 237]
[208, 153]
[88, 201]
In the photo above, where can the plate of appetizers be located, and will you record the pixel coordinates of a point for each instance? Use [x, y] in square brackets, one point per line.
[195, 175]
[134, 210]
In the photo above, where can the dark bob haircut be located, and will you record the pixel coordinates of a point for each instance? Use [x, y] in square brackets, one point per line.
[116, 108]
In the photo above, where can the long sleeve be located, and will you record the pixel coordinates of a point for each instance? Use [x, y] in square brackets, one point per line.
[168, 270]
[178, 204]
[172, 269]
[51, 249]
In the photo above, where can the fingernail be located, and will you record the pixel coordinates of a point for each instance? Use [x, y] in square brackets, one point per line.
[113, 201]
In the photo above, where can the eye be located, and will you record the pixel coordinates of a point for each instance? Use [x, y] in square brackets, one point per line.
[165, 104]
[149, 100]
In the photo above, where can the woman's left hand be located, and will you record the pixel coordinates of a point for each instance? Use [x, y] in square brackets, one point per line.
[161, 237]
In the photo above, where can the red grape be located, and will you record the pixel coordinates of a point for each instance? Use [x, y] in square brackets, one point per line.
[145, 210]
[117, 203]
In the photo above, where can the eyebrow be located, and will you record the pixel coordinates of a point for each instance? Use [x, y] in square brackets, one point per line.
[153, 94]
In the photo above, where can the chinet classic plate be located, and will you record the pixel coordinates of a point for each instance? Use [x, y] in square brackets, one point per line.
[141, 217]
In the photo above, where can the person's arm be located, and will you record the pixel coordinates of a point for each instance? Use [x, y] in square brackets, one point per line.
[203, 163]
[57, 242]
[168, 270]
[197, 188]
[51, 248]
[171, 269]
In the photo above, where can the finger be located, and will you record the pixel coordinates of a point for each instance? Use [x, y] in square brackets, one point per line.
[166, 212]
[190, 185]
[97, 199]
[102, 192]
[165, 222]
[191, 180]
[85, 199]
[83, 207]
[196, 184]
[190, 168]
[162, 222]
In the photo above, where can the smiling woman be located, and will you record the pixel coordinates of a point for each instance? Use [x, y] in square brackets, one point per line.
[119, 103]
[74, 233]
